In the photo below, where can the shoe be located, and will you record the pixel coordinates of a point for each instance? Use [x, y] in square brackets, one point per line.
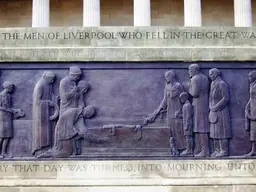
[252, 153]
[222, 154]
[174, 152]
[187, 153]
[203, 154]
[214, 153]
[5, 155]
[78, 151]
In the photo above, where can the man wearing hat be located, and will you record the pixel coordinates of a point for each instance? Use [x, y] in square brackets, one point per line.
[70, 95]
[69, 92]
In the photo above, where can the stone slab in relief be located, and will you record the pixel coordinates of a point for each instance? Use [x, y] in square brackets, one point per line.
[92, 124]
[127, 110]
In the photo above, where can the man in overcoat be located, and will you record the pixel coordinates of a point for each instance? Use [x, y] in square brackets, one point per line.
[199, 90]
[219, 117]
[250, 113]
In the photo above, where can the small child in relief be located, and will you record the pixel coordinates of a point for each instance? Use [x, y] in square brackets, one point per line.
[187, 115]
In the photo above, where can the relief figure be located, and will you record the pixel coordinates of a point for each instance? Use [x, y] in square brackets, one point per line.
[7, 114]
[250, 113]
[187, 118]
[171, 103]
[68, 128]
[69, 91]
[219, 116]
[71, 96]
[198, 88]
[41, 114]
[83, 87]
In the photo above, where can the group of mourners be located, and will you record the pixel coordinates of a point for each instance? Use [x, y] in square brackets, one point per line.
[207, 116]
[70, 112]
[196, 112]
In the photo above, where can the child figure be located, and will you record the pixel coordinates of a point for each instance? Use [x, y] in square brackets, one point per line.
[7, 114]
[187, 115]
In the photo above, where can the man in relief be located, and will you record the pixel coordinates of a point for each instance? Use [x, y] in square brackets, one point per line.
[68, 128]
[250, 113]
[7, 114]
[172, 104]
[219, 116]
[69, 92]
[83, 87]
[42, 103]
[198, 88]
[71, 96]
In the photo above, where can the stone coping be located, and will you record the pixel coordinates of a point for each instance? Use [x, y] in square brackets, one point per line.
[156, 43]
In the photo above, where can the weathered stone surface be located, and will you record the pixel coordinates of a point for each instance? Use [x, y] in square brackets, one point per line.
[175, 173]
[125, 92]
[127, 36]
[128, 54]
[231, 188]
[127, 44]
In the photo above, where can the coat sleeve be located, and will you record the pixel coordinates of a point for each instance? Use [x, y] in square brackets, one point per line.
[38, 94]
[4, 100]
[194, 87]
[81, 100]
[223, 88]
[65, 92]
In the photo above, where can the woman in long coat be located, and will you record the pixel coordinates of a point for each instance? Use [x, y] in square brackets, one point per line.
[42, 96]
[66, 129]
[171, 103]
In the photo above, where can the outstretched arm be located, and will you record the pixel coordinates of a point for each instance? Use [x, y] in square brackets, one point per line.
[162, 106]
[6, 109]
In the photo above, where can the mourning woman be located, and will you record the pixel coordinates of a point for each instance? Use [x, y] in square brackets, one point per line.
[68, 128]
[171, 103]
[42, 103]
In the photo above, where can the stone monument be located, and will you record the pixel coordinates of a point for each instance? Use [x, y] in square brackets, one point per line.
[97, 113]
